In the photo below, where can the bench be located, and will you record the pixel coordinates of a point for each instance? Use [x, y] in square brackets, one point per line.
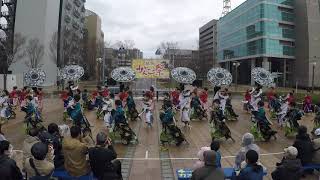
[311, 166]
[64, 175]
[229, 173]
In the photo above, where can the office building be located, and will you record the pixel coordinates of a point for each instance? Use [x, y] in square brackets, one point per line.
[58, 27]
[307, 64]
[184, 58]
[259, 33]
[208, 47]
[95, 45]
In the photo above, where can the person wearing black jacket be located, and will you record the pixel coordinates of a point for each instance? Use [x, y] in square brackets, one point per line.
[8, 167]
[103, 159]
[290, 167]
[53, 130]
[304, 146]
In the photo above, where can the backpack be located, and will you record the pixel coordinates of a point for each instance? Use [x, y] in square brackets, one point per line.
[38, 176]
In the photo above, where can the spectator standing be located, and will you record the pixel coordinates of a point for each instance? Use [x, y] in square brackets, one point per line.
[290, 167]
[103, 159]
[8, 167]
[252, 171]
[41, 164]
[209, 171]
[75, 152]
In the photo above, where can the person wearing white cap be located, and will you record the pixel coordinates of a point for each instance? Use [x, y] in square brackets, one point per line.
[316, 146]
[290, 167]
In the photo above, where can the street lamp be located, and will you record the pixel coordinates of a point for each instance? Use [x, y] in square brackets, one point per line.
[236, 65]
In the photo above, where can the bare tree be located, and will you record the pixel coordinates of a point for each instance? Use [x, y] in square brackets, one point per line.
[53, 48]
[127, 44]
[168, 50]
[12, 55]
[34, 52]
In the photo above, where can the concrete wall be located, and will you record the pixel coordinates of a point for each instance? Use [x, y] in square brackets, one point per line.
[12, 80]
[37, 19]
[307, 14]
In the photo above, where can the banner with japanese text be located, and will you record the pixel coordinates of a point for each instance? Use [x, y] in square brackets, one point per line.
[151, 68]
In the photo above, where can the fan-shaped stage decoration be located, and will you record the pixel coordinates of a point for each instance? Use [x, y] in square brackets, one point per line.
[123, 74]
[262, 76]
[183, 75]
[219, 77]
[72, 72]
[35, 77]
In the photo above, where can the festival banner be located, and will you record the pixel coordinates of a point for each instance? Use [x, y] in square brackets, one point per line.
[151, 68]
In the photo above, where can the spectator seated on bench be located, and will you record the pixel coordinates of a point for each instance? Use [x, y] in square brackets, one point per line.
[64, 175]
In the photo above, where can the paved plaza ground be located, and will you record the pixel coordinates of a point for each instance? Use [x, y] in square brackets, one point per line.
[146, 160]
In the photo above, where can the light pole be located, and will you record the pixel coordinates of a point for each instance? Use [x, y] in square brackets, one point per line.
[99, 60]
[236, 65]
[313, 73]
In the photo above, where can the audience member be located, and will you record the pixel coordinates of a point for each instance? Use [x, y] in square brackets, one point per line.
[316, 147]
[247, 144]
[304, 145]
[53, 129]
[215, 146]
[31, 139]
[210, 170]
[41, 164]
[8, 167]
[200, 162]
[290, 167]
[75, 152]
[103, 159]
[252, 171]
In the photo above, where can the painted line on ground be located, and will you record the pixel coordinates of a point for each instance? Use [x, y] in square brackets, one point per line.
[158, 159]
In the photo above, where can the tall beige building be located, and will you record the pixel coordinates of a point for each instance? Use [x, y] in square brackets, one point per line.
[95, 45]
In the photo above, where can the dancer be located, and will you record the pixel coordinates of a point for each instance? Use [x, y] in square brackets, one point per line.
[222, 96]
[316, 121]
[4, 104]
[262, 127]
[170, 132]
[293, 116]
[133, 113]
[175, 96]
[219, 128]
[108, 111]
[14, 96]
[230, 113]
[198, 112]
[247, 100]
[204, 98]
[255, 97]
[121, 126]
[307, 103]
[147, 109]
[282, 113]
[184, 105]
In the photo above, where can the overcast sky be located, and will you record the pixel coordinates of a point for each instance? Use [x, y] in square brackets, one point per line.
[149, 22]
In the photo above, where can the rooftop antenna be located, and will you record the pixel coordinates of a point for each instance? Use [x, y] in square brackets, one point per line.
[226, 7]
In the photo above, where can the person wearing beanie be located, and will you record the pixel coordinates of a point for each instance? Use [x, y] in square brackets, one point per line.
[290, 167]
[252, 170]
[200, 162]
[210, 170]
[38, 165]
[102, 159]
[247, 144]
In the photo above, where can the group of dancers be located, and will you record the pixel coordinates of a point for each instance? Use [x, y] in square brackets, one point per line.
[28, 100]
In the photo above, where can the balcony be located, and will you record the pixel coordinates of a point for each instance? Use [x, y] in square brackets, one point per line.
[67, 19]
[76, 13]
[75, 25]
[68, 6]
[77, 3]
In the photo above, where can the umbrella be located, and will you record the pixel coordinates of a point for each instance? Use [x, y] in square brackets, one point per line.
[35, 77]
[219, 77]
[183, 75]
[72, 72]
[123, 74]
[262, 76]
